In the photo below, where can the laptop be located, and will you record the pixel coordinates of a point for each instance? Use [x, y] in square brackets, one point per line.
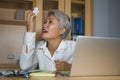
[96, 56]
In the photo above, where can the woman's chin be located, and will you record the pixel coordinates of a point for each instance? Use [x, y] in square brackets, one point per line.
[44, 37]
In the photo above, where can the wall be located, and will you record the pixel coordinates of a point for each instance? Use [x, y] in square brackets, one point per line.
[114, 18]
[11, 40]
[11, 36]
[106, 18]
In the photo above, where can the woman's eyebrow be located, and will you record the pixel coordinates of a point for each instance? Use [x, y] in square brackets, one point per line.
[50, 19]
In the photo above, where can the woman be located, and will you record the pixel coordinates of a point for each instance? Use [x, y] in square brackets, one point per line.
[53, 52]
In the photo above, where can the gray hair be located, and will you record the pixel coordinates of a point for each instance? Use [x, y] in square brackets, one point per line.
[64, 20]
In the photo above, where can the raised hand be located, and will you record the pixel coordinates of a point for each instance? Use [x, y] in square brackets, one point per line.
[30, 21]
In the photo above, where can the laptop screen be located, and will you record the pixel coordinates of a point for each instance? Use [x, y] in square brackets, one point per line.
[96, 56]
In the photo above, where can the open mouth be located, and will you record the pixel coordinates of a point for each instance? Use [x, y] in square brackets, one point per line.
[44, 31]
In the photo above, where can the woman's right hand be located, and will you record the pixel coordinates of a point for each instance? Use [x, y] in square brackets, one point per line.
[30, 21]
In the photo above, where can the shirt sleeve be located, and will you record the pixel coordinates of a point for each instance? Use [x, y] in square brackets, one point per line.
[71, 49]
[28, 59]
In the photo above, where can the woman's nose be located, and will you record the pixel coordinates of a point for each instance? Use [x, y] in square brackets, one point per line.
[45, 24]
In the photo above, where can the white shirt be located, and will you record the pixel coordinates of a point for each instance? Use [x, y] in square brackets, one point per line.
[39, 53]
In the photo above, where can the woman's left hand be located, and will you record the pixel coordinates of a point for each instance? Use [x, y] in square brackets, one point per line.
[62, 65]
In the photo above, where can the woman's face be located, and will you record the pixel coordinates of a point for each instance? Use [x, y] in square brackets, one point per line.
[51, 29]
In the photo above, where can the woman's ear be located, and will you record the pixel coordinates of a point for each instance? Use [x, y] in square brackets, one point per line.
[62, 31]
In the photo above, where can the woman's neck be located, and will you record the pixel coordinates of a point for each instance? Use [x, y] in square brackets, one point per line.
[53, 45]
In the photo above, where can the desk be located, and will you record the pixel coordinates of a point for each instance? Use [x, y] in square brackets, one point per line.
[58, 77]
[9, 66]
[62, 78]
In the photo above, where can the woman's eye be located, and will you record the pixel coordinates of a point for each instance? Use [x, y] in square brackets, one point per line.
[50, 21]
[44, 22]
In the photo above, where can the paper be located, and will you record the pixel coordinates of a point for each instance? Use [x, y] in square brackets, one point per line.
[35, 11]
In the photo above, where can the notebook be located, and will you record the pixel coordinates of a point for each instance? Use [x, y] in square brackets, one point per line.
[96, 56]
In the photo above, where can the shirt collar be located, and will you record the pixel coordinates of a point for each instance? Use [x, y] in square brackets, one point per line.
[63, 45]
[44, 44]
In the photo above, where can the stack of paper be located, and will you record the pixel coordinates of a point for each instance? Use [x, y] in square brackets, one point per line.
[43, 73]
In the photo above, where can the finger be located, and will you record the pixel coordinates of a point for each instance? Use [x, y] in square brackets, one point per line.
[32, 18]
[28, 17]
[59, 67]
[57, 62]
[26, 14]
